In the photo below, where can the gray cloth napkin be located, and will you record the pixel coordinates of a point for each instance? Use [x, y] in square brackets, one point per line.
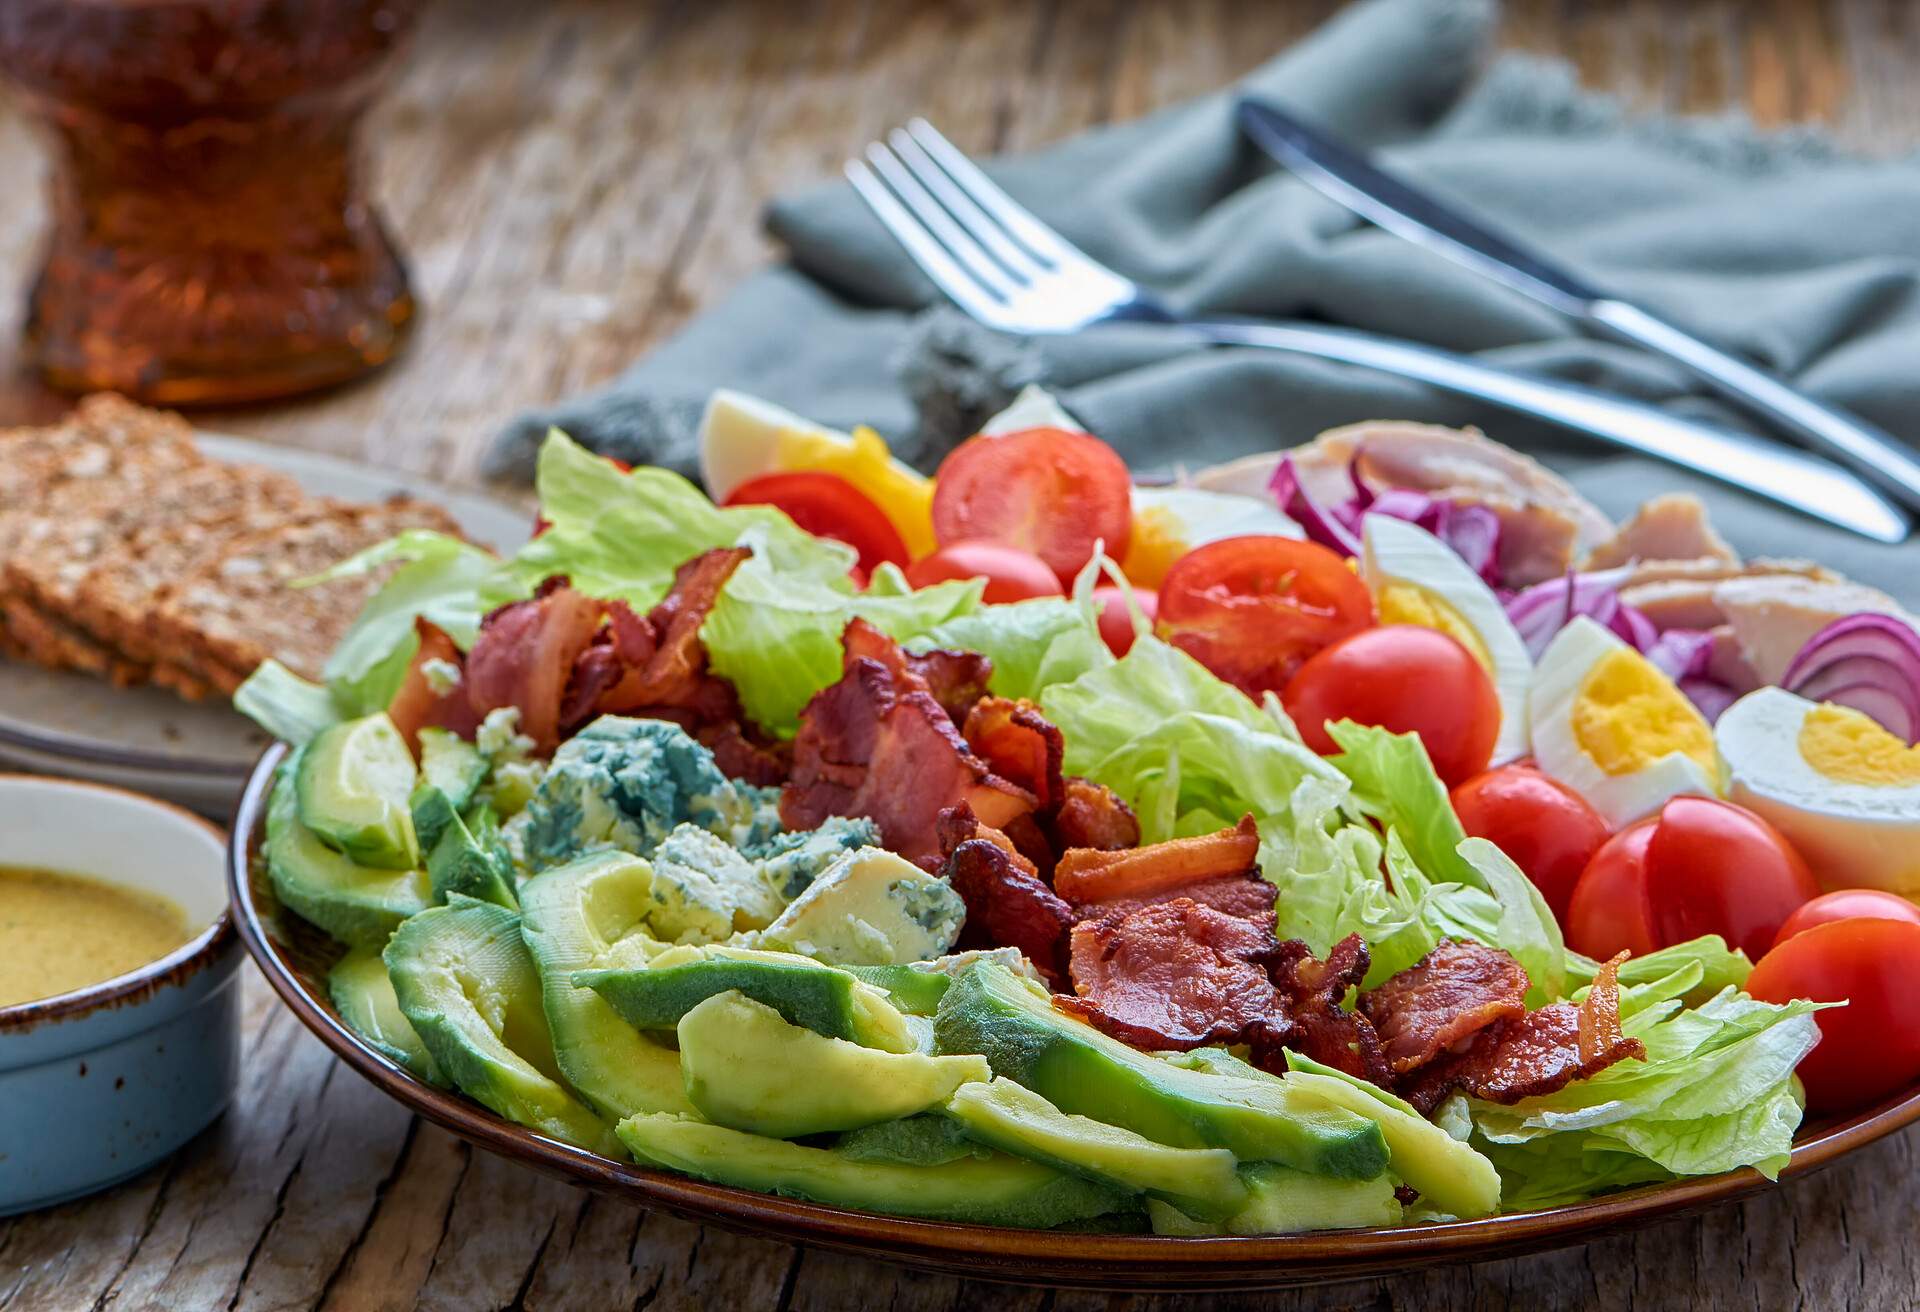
[1780, 247]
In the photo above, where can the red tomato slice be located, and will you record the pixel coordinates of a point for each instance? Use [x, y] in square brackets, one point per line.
[1403, 678]
[1011, 574]
[1116, 618]
[1044, 490]
[1609, 911]
[1251, 609]
[1547, 828]
[828, 506]
[1870, 1047]
[1717, 868]
[1847, 904]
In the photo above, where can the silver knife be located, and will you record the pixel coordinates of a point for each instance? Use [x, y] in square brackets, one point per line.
[1344, 174]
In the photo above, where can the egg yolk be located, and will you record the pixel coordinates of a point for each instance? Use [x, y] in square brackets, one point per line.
[904, 497]
[1850, 746]
[1157, 540]
[1404, 603]
[1627, 715]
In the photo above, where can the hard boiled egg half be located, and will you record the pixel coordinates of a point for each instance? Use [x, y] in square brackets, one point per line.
[1843, 790]
[1607, 723]
[1416, 578]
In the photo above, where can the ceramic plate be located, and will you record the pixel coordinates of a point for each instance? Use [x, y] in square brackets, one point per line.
[150, 741]
[295, 957]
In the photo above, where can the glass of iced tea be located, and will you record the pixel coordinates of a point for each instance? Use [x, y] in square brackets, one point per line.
[211, 239]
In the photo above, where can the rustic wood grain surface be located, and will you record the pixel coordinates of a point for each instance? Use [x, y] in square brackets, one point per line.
[573, 180]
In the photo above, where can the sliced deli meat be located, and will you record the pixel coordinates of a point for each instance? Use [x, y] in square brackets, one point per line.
[1673, 526]
[1445, 998]
[1174, 975]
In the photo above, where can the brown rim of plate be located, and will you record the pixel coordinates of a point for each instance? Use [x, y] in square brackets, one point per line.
[175, 967]
[1048, 1257]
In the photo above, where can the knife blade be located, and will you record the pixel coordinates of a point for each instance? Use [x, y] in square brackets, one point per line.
[1344, 174]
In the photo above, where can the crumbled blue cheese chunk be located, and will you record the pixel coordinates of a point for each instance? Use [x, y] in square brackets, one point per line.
[870, 908]
[795, 860]
[704, 890]
[442, 676]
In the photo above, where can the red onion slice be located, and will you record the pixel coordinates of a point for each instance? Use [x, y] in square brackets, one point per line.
[1867, 661]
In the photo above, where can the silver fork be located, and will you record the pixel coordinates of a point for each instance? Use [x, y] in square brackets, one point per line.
[1007, 269]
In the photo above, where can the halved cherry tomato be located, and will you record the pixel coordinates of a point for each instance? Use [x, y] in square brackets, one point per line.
[1011, 574]
[1871, 1046]
[1847, 904]
[1251, 609]
[1702, 866]
[1116, 619]
[1407, 679]
[1609, 912]
[1043, 490]
[828, 506]
[1546, 827]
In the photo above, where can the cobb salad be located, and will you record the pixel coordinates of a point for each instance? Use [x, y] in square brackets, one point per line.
[1367, 835]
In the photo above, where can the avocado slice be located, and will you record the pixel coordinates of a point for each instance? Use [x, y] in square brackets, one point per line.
[1201, 1182]
[1284, 1201]
[580, 916]
[461, 862]
[870, 908]
[464, 978]
[747, 1068]
[352, 902]
[820, 998]
[354, 781]
[1013, 1023]
[913, 989]
[926, 1140]
[453, 765]
[362, 993]
[992, 1190]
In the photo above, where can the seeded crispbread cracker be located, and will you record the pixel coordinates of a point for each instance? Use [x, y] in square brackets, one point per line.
[239, 609]
[89, 443]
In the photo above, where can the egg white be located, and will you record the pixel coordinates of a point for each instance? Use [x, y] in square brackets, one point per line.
[1395, 551]
[1619, 798]
[740, 439]
[1852, 835]
[1201, 516]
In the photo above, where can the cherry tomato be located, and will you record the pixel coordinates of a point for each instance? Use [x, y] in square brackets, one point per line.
[1404, 678]
[1609, 911]
[1116, 619]
[828, 506]
[1011, 574]
[1044, 490]
[1701, 866]
[1252, 608]
[1871, 1046]
[1546, 827]
[1847, 904]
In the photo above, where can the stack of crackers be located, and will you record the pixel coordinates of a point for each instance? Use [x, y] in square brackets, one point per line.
[127, 553]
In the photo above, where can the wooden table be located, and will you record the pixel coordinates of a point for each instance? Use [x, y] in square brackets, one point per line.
[573, 179]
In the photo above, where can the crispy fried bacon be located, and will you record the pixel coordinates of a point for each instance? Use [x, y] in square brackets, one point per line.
[1536, 1054]
[1445, 998]
[956, 679]
[1173, 975]
[562, 657]
[1013, 738]
[1092, 815]
[1008, 905]
[1090, 875]
[417, 705]
[1313, 991]
[1246, 895]
[869, 747]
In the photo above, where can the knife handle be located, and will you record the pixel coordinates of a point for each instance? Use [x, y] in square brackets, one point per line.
[1854, 442]
[1802, 482]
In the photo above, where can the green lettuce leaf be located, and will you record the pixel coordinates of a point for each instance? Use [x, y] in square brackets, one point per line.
[1394, 783]
[1038, 643]
[286, 705]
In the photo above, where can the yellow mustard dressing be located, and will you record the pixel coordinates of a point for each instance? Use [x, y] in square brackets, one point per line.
[1848, 745]
[63, 932]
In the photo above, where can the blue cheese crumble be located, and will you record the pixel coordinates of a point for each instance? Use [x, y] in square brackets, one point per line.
[792, 861]
[870, 908]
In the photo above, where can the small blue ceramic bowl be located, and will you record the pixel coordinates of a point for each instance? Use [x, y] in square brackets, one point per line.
[98, 1084]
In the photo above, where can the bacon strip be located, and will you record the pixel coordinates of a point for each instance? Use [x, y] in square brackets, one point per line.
[1013, 738]
[1009, 906]
[665, 663]
[1322, 1029]
[416, 706]
[866, 747]
[956, 679]
[1087, 875]
[1446, 997]
[1538, 1054]
[1247, 895]
[1173, 975]
[1092, 815]
[525, 655]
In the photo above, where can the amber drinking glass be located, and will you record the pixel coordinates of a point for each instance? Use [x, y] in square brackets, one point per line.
[211, 236]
